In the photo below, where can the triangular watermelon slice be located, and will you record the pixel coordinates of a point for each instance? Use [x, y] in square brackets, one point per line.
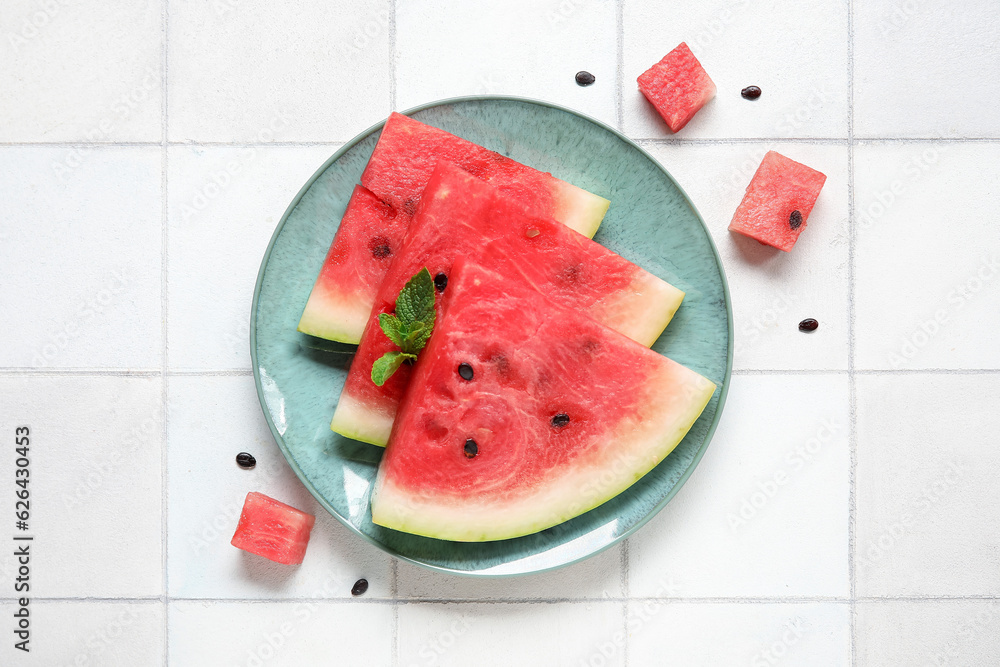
[561, 414]
[459, 216]
[376, 219]
[408, 150]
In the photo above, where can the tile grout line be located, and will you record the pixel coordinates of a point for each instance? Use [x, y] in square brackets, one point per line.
[246, 372]
[642, 141]
[394, 575]
[851, 376]
[392, 55]
[164, 304]
[626, 593]
[394, 589]
[620, 65]
[158, 599]
[620, 122]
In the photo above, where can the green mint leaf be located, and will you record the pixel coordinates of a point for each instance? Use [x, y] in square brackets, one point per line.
[409, 328]
[416, 300]
[418, 334]
[387, 364]
[391, 327]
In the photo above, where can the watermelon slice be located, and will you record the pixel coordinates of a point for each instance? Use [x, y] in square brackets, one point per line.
[561, 415]
[408, 151]
[678, 86]
[369, 235]
[778, 201]
[273, 529]
[460, 216]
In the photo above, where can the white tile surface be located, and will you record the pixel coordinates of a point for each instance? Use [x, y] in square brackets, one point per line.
[80, 240]
[95, 495]
[530, 48]
[722, 635]
[597, 577]
[927, 497]
[766, 512]
[528, 635]
[109, 634]
[81, 71]
[220, 221]
[249, 71]
[928, 256]
[211, 419]
[772, 291]
[957, 633]
[83, 315]
[290, 634]
[802, 71]
[904, 50]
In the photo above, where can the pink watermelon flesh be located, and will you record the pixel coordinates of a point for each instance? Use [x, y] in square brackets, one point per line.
[370, 234]
[561, 415]
[273, 529]
[408, 151]
[459, 216]
[779, 188]
[678, 86]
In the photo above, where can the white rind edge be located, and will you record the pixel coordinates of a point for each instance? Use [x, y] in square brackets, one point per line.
[353, 420]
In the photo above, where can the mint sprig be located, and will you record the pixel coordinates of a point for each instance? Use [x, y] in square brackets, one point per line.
[409, 328]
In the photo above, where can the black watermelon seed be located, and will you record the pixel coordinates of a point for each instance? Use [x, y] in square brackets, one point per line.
[360, 586]
[471, 448]
[440, 282]
[795, 220]
[750, 93]
[245, 460]
[560, 420]
[808, 324]
[584, 78]
[380, 247]
[465, 370]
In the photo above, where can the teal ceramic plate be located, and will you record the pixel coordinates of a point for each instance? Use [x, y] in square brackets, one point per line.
[651, 222]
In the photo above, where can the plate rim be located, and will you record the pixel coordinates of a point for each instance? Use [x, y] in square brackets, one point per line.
[709, 434]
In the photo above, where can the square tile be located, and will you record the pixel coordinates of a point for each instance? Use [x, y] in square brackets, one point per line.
[220, 220]
[957, 633]
[109, 634]
[95, 482]
[530, 48]
[81, 249]
[527, 635]
[722, 635]
[597, 577]
[926, 485]
[796, 52]
[289, 634]
[928, 255]
[75, 71]
[766, 512]
[901, 46]
[210, 420]
[248, 72]
[772, 291]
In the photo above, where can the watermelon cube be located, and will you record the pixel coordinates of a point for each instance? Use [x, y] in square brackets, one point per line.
[778, 201]
[273, 529]
[678, 86]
